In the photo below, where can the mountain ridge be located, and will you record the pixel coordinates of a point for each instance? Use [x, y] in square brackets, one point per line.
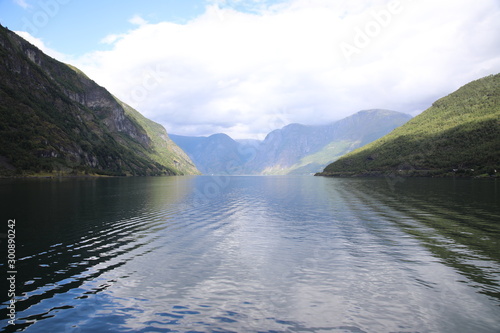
[295, 148]
[346, 134]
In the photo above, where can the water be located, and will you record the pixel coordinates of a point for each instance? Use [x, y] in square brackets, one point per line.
[254, 254]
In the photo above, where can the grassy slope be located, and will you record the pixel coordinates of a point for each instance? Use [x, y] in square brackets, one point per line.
[460, 131]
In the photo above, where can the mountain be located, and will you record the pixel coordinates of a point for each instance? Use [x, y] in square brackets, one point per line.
[216, 154]
[458, 135]
[55, 120]
[294, 149]
[301, 149]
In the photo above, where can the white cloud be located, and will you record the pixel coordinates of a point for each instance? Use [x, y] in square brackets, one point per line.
[22, 3]
[110, 39]
[137, 20]
[234, 72]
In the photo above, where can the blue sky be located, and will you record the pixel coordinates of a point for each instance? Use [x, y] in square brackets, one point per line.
[247, 67]
[75, 27]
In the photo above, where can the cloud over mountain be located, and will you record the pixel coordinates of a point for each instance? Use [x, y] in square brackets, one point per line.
[246, 73]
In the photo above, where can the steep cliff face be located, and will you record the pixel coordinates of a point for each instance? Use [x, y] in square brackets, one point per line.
[53, 118]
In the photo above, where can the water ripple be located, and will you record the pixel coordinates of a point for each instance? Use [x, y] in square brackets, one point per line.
[266, 254]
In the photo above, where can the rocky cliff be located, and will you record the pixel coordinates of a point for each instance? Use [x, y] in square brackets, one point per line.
[56, 120]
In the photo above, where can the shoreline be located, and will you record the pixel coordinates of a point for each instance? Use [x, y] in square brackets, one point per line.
[406, 174]
[70, 175]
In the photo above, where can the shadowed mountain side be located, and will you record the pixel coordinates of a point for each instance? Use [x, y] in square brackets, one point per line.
[54, 120]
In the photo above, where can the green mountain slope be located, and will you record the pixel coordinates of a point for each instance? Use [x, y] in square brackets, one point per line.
[55, 120]
[458, 134]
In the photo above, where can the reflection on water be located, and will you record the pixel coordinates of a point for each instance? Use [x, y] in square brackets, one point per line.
[458, 221]
[255, 254]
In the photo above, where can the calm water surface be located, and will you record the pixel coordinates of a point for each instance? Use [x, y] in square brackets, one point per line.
[254, 254]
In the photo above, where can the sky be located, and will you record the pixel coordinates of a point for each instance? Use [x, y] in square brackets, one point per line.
[247, 67]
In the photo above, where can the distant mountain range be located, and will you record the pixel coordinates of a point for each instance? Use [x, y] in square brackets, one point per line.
[294, 149]
[459, 135]
[54, 120]
[216, 154]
